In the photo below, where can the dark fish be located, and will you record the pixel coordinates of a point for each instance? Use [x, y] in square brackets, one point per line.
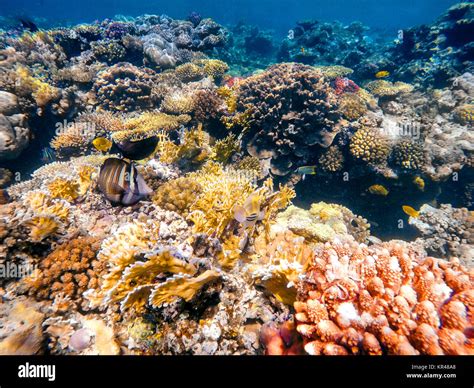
[121, 184]
[4, 197]
[137, 150]
[27, 24]
[354, 223]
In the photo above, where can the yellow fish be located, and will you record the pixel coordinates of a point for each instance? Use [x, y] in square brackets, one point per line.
[306, 170]
[382, 74]
[419, 182]
[302, 50]
[410, 211]
[378, 190]
[102, 144]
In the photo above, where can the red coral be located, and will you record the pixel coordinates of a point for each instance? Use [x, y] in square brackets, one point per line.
[345, 85]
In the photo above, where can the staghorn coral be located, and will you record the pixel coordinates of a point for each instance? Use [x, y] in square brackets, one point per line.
[446, 232]
[384, 299]
[223, 149]
[287, 112]
[383, 88]
[124, 88]
[369, 145]
[177, 195]
[332, 160]
[68, 271]
[408, 155]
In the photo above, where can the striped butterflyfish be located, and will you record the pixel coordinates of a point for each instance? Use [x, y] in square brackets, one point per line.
[121, 184]
[136, 149]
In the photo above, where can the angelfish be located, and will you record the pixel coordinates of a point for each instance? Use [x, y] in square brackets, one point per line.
[121, 183]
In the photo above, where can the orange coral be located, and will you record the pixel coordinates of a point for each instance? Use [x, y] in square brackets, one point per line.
[387, 298]
[69, 270]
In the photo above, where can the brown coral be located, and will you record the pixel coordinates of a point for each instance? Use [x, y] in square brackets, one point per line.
[70, 270]
[408, 154]
[369, 145]
[331, 160]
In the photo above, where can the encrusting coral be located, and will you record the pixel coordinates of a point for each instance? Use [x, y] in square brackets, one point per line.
[383, 299]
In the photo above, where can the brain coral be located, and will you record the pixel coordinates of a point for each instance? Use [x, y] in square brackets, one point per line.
[124, 87]
[384, 299]
[288, 110]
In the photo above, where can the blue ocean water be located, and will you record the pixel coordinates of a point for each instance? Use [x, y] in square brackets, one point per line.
[279, 15]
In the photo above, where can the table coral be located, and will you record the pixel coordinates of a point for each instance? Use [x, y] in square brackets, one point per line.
[384, 299]
[383, 88]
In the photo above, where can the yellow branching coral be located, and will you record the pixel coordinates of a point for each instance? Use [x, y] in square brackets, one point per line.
[370, 146]
[225, 148]
[64, 189]
[230, 97]
[69, 143]
[42, 227]
[194, 149]
[212, 67]
[383, 88]
[85, 179]
[40, 203]
[42, 92]
[149, 124]
[181, 286]
[332, 160]
[352, 106]
[278, 264]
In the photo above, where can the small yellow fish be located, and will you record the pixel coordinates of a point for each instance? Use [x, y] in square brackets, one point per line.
[302, 50]
[306, 170]
[102, 144]
[410, 211]
[419, 182]
[378, 190]
[382, 74]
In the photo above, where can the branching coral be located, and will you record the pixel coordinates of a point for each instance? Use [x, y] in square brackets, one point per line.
[225, 148]
[386, 299]
[68, 271]
[369, 145]
[177, 195]
[65, 189]
[279, 263]
[290, 109]
[331, 160]
[188, 72]
[408, 155]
